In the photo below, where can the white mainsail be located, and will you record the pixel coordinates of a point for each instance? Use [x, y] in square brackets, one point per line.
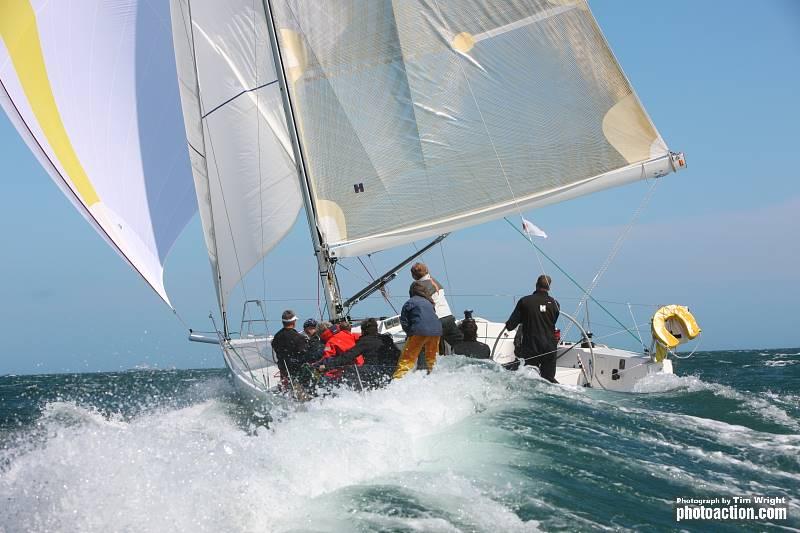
[418, 118]
[241, 153]
[93, 94]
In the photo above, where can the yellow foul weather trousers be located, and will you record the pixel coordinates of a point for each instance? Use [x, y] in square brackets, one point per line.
[414, 345]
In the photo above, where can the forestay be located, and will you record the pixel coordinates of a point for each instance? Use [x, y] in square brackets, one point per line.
[417, 118]
[92, 92]
[245, 177]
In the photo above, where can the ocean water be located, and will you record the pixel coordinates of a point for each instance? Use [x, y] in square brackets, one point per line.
[469, 448]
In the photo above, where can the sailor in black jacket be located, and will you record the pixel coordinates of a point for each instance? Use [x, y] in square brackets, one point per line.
[290, 348]
[471, 346]
[537, 313]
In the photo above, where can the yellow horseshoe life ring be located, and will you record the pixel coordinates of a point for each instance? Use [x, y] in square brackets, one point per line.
[672, 325]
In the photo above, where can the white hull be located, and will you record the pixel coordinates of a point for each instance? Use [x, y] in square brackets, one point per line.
[252, 366]
[255, 373]
[599, 367]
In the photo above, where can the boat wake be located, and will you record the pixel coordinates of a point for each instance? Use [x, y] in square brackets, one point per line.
[470, 447]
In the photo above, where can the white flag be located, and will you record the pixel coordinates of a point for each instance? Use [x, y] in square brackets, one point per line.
[532, 229]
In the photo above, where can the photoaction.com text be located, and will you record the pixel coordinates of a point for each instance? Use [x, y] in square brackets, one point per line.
[731, 508]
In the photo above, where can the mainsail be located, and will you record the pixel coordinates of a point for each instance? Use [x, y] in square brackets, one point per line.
[93, 94]
[418, 118]
[239, 145]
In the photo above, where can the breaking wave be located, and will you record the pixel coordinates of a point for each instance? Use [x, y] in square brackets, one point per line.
[469, 448]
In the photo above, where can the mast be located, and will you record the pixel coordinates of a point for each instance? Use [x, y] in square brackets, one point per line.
[325, 263]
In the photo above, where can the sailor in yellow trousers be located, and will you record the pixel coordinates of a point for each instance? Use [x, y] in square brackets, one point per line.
[423, 329]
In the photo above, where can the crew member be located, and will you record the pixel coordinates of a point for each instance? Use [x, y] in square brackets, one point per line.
[338, 339]
[423, 329]
[537, 313]
[290, 349]
[471, 346]
[315, 344]
[450, 332]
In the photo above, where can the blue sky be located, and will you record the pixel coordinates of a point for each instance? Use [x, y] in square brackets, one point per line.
[720, 80]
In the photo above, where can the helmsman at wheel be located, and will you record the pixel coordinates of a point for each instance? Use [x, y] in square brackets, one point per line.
[537, 313]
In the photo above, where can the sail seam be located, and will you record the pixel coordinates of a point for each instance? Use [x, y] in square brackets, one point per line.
[195, 150]
[245, 91]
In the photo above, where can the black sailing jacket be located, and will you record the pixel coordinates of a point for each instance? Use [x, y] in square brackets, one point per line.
[290, 351]
[537, 313]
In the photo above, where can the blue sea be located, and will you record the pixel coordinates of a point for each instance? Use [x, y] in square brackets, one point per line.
[469, 448]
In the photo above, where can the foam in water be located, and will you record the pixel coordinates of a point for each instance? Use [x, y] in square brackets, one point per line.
[782, 362]
[469, 448]
[753, 404]
[193, 469]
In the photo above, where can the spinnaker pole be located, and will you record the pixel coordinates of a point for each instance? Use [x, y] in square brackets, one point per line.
[327, 274]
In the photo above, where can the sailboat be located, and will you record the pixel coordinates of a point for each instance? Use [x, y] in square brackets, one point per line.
[386, 122]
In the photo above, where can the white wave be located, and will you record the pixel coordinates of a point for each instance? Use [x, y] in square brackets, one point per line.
[791, 401]
[735, 435]
[670, 382]
[755, 405]
[781, 362]
[426, 445]
[69, 413]
[725, 459]
[193, 469]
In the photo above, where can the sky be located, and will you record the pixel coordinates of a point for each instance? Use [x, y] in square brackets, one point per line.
[720, 80]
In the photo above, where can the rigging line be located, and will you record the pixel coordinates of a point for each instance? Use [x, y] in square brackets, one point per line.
[615, 250]
[260, 174]
[619, 242]
[617, 332]
[536, 252]
[319, 307]
[371, 262]
[371, 277]
[384, 290]
[244, 91]
[227, 214]
[630, 309]
[446, 273]
[180, 318]
[697, 347]
[359, 276]
[211, 232]
[601, 306]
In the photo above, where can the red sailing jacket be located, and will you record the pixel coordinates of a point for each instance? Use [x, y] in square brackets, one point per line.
[336, 344]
